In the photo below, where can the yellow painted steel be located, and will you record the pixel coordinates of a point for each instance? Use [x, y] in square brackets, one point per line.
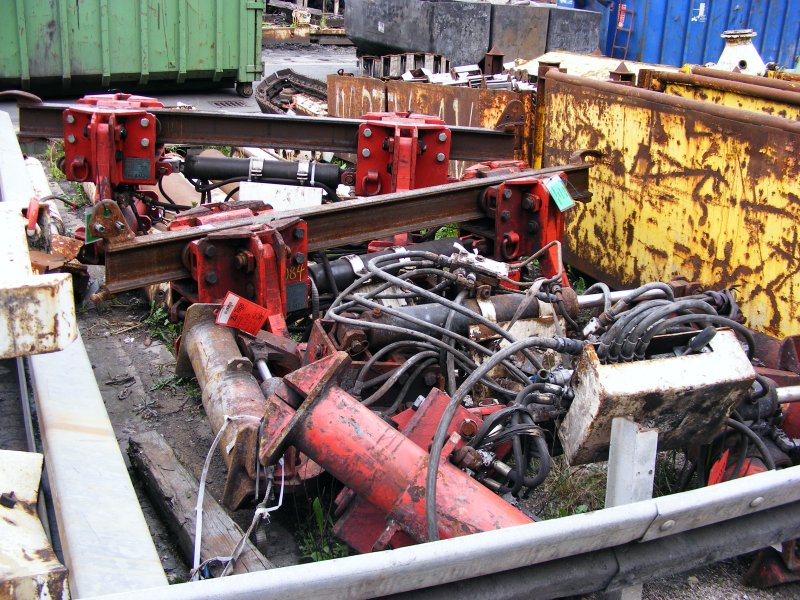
[683, 188]
[734, 100]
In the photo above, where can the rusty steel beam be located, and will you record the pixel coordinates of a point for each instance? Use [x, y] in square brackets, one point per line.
[274, 131]
[778, 84]
[153, 259]
[657, 81]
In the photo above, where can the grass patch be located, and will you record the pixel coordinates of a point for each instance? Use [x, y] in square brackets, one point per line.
[52, 156]
[174, 383]
[447, 231]
[571, 490]
[160, 327]
[315, 538]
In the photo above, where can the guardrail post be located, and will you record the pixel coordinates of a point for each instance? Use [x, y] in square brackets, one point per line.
[631, 468]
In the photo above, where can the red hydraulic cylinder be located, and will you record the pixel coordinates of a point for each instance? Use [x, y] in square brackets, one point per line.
[373, 459]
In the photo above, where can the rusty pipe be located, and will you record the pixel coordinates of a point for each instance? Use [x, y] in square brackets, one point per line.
[380, 464]
[209, 352]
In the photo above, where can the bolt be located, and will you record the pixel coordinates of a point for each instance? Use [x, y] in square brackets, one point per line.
[469, 428]
[667, 525]
[757, 502]
[70, 119]
[299, 258]
[532, 227]
[368, 133]
[211, 277]
[299, 233]
[365, 153]
[527, 201]
[145, 122]
[99, 228]
[119, 225]
[71, 138]
[443, 137]
[440, 157]
[210, 250]
[506, 194]
[376, 312]
[505, 216]
[145, 142]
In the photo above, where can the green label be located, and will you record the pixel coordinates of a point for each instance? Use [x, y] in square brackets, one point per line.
[559, 193]
[90, 239]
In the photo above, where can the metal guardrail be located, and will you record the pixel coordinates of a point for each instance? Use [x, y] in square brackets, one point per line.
[104, 537]
[755, 511]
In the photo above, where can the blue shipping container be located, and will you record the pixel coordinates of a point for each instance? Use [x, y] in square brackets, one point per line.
[676, 32]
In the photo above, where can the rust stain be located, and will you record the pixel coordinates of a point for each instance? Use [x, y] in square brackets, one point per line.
[690, 192]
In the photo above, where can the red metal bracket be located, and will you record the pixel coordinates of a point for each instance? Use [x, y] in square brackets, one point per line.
[400, 152]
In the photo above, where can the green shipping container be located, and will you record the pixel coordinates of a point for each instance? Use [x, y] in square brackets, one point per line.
[58, 44]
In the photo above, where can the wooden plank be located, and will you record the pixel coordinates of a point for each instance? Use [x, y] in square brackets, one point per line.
[173, 491]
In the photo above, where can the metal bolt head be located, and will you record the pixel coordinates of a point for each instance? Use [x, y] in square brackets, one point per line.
[299, 258]
[71, 138]
[443, 137]
[368, 133]
[430, 378]
[70, 119]
[667, 525]
[145, 122]
[532, 227]
[365, 153]
[299, 233]
[145, 142]
[527, 201]
[757, 502]
[506, 194]
[119, 225]
[99, 228]
[210, 250]
[469, 428]
[211, 277]
[440, 157]
[505, 216]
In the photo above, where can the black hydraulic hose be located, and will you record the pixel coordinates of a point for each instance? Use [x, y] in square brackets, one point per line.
[396, 374]
[632, 343]
[373, 267]
[218, 167]
[326, 264]
[389, 411]
[754, 437]
[622, 322]
[608, 317]
[164, 192]
[701, 319]
[539, 386]
[447, 358]
[564, 345]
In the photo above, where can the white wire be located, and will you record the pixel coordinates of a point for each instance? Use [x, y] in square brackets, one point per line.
[198, 526]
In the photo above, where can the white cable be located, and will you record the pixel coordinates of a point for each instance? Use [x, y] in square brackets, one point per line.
[198, 526]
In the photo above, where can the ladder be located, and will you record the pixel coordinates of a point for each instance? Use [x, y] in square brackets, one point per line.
[622, 33]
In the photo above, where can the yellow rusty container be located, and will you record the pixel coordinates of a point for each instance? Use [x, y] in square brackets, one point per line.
[683, 188]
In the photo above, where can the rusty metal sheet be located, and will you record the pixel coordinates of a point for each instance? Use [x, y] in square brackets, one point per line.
[461, 106]
[745, 92]
[352, 97]
[683, 188]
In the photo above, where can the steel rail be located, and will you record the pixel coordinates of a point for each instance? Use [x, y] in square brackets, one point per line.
[158, 258]
[679, 517]
[274, 131]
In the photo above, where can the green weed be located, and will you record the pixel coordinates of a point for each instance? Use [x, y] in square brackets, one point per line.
[160, 327]
[572, 490]
[316, 541]
[52, 156]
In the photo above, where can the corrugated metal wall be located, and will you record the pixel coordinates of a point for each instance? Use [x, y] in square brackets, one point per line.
[676, 32]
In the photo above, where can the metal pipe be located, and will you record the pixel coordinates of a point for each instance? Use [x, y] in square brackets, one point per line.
[788, 394]
[427, 565]
[591, 300]
[209, 352]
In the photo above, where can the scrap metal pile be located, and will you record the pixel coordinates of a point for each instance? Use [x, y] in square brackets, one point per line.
[434, 377]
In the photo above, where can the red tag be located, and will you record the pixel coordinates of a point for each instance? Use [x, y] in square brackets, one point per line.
[241, 314]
